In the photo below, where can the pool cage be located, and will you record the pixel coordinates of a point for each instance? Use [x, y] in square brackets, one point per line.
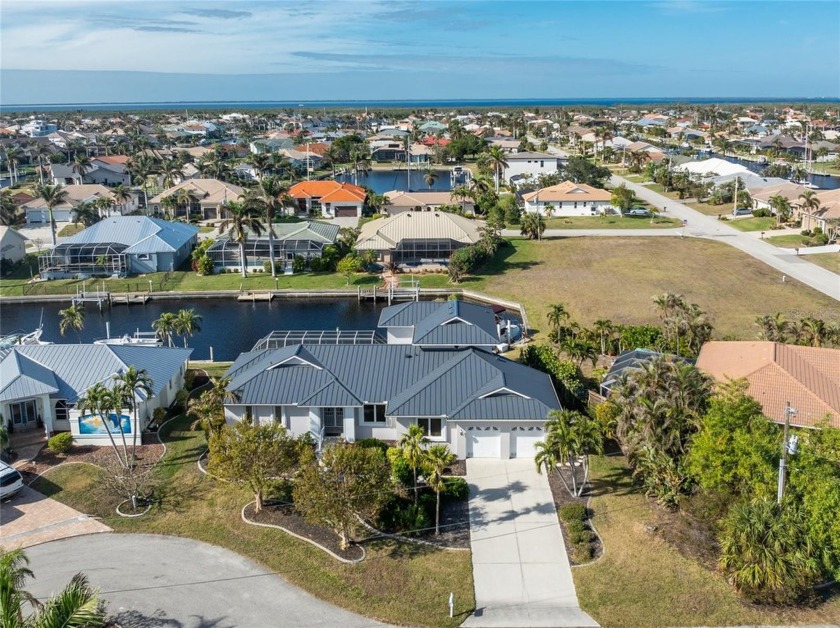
[424, 251]
[84, 260]
[225, 252]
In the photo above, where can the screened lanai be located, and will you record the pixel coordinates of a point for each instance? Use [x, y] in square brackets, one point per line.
[71, 260]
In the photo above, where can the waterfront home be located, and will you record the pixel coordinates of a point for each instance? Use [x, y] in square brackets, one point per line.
[827, 213]
[12, 244]
[300, 239]
[568, 199]
[479, 404]
[41, 385]
[400, 201]
[110, 171]
[761, 195]
[531, 163]
[418, 237]
[713, 167]
[207, 199]
[120, 246]
[777, 374]
[330, 198]
[37, 212]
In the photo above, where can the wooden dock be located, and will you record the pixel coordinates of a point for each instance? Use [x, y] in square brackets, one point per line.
[130, 297]
[391, 293]
[101, 298]
[255, 296]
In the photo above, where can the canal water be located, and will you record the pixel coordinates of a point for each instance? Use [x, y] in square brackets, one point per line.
[229, 326]
[381, 181]
[822, 181]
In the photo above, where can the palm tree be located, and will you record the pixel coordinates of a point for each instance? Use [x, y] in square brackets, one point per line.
[130, 384]
[774, 328]
[101, 401]
[260, 162]
[809, 202]
[781, 206]
[121, 195]
[72, 317]
[188, 323]
[604, 328]
[86, 212]
[53, 196]
[532, 225]
[171, 169]
[579, 350]
[81, 165]
[437, 458]
[557, 315]
[412, 444]
[463, 193]
[12, 155]
[430, 176]
[360, 156]
[497, 159]
[269, 197]
[813, 332]
[77, 605]
[166, 325]
[243, 218]
[570, 438]
[142, 166]
[41, 152]
[637, 159]
[8, 209]
[170, 206]
[185, 197]
[208, 409]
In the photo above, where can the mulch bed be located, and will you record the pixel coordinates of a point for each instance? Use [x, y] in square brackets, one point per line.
[457, 468]
[283, 514]
[562, 498]
[454, 525]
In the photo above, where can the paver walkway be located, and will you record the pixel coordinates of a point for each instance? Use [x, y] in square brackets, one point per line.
[30, 518]
[520, 568]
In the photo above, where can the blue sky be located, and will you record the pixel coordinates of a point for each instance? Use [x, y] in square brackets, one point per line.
[123, 51]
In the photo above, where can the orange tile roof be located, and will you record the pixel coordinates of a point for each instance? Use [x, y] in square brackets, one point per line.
[328, 191]
[807, 377]
[113, 159]
[317, 148]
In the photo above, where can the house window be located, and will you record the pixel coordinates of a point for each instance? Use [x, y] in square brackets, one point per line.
[431, 427]
[333, 421]
[61, 410]
[143, 257]
[278, 414]
[375, 413]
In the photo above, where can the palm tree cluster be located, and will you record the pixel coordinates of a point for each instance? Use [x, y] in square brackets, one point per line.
[659, 407]
[808, 331]
[570, 438]
[208, 409]
[686, 328]
[185, 323]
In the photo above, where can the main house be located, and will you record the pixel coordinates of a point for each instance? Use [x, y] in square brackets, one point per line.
[568, 199]
[41, 386]
[478, 403]
[332, 198]
[119, 246]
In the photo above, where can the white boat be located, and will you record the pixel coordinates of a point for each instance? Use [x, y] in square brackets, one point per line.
[17, 338]
[140, 338]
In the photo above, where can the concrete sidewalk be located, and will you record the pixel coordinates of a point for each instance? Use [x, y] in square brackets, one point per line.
[520, 568]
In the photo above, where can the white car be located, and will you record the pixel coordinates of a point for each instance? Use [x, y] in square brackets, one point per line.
[11, 481]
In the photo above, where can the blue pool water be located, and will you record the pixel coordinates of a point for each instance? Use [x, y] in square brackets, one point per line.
[93, 424]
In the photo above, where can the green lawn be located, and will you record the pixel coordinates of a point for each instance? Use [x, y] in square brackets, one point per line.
[70, 229]
[397, 584]
[753, 224]
[611, 222]
[644, 581]
[829, 261]
[789, 241]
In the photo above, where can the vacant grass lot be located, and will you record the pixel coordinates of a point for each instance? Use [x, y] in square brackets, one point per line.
[829, 261]
[611, 222]
[644, 581]
[398, 583]
[615, 278]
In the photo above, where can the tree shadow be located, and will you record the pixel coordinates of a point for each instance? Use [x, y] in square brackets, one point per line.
[158, 619]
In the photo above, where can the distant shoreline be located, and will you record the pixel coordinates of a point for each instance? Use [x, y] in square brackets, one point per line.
[403, 104]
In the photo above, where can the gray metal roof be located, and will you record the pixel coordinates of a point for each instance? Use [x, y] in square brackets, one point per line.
[140, 233]
[20, 377]
[412, 381]
[406, 314]
[453, 323]
[69, 370]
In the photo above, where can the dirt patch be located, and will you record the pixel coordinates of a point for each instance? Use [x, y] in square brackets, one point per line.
[283, 514]
[580, 553]
[691, 530]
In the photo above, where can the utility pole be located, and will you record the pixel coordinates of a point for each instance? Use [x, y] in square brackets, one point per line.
[789, 412]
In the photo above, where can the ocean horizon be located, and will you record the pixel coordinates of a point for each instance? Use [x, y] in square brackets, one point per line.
[399, 104]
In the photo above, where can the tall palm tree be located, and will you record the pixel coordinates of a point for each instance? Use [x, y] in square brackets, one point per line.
[781, 206]
[42, 154]
[603, 327]
[498, 160]
[12, 155]
[170, 206]
[165, 325]
[8, 209]
[243, 219]
[188, 323]
[437, 458]
[130, 384]
[430, 176]
[53, 196]
[360, 156]
[121, 195]
[14, 570]
[570, 438]
[81, 165]
[269, 197]
[87, 213]
[142, 166]
[412, 444]
[73, 318]
[557, 315]
[463, 193]
[636, 160]
[100, 401]
[260, 162]
[809, 202]
[186, 197]
[171, 169]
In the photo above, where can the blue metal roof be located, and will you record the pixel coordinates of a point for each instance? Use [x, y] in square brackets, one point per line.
[140, 234]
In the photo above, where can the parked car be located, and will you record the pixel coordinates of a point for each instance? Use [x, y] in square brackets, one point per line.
[638, 211]
[11, 481]
[742, 211]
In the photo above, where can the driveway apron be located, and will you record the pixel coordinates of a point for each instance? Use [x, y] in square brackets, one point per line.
[520, 567]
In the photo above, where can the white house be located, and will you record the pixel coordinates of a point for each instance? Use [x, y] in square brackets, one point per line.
[12, 244]
[569, 199]
[530, 163]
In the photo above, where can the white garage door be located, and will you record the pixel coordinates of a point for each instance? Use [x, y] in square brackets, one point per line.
[523, 441]
[484, 441]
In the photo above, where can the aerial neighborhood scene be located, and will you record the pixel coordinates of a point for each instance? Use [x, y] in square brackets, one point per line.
[531, 320]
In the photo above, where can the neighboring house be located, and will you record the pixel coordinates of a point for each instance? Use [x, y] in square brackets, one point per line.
[399, 201]
[568, 199]
[806, 377]
[12, 244]
[209, 198]
[121, 245]
[531, 163]
[38, 128]
[330, 198]
[41, 386]
[304, 239]
[420, 154]
[507, 144]
[479, 404]
[387, 151]
[714, 167]
[761, 196]
[627, 362]
[271, 145]
[418, 237]
[826, 214]
[37, 212]
[110, 171]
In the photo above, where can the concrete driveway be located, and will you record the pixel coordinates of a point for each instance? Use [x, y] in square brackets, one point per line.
[520, 568]
[180, 583]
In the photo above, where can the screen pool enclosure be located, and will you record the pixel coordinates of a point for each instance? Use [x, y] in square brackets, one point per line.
[84, 259]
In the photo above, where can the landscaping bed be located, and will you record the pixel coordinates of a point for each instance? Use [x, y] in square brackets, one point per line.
[582, 546]
[283, 514]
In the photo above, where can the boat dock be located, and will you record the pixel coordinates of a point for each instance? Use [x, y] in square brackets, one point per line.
[130, 297]
[254, 296]
[407, 291]
[102, 298]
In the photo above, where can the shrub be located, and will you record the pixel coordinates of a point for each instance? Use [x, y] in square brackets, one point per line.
[581, 537]
[317, 265]
[159, 416]
[299, 264]
[60, 443]
[762, 213]
[572, 512]
[457, 489]
[575, 526]
[805, 232]
[181, 400]
[374, 443]
[189, 379]
[267, 266]
[403, 515]
[400, 469]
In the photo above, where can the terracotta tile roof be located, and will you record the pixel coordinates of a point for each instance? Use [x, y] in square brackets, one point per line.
[318, 148]
[112, 159]
[570, 192]
[807, 377]
[328, 191]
